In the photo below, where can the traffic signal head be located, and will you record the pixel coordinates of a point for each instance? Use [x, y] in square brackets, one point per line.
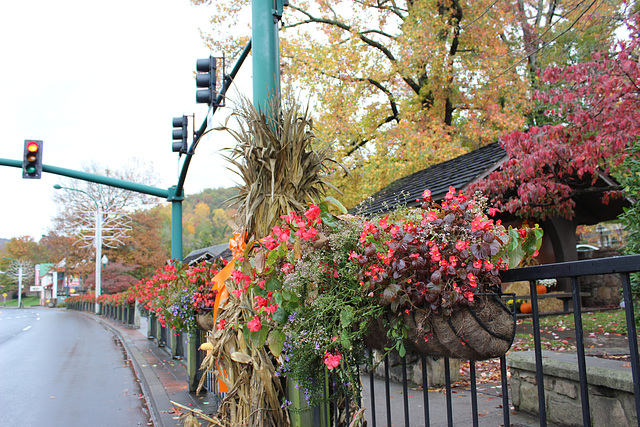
[180, 134]
[32, 160]
[206, 78]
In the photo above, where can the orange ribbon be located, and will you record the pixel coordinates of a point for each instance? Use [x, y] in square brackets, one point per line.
[237, 244]
[220, 287]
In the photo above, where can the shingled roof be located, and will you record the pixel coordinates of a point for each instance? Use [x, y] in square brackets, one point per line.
[458, 172]
[208, 254]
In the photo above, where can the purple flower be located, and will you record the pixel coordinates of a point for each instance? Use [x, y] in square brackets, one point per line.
[285, 404]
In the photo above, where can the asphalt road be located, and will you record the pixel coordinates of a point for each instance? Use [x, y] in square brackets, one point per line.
[59, 368]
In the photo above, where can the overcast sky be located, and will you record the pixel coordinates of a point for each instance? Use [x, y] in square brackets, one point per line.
[100, 82]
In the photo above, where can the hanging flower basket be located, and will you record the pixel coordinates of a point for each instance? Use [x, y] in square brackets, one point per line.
[204, 319]
[481, 332]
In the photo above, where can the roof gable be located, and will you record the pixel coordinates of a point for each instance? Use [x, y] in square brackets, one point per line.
[208, 254]
[458, 172]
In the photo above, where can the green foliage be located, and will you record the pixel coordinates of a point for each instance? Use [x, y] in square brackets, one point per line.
[629, 177]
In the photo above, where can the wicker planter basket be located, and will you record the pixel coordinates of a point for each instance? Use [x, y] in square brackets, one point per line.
[482, 332]
[204, 320]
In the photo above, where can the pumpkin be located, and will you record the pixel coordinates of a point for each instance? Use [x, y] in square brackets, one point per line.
[541, 289]
[526, 307]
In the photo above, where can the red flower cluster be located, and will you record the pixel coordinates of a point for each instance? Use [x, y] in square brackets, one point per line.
[176, 291]
[436, 261]
[293, 228]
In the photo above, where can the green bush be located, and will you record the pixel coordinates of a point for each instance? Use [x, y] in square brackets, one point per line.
[629, 178]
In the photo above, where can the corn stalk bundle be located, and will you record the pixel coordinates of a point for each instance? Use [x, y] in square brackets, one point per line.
[254, 397]
[276, 157]
[278, 162]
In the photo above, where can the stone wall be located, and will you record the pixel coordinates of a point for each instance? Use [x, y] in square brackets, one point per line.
[610, 386]
[604, 289]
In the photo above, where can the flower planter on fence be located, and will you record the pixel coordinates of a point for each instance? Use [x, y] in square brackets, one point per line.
[477, 333]
[204, 320]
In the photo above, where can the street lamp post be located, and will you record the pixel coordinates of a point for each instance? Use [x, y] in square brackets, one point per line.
[98, 240]
[19, 281]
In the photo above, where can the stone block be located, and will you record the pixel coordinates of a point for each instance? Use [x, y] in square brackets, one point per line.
[564, 411]
[515, 391]
[628, 402]
[606, 412]
[528, 398]
[549, 383]
[566, 388]
[435, 369]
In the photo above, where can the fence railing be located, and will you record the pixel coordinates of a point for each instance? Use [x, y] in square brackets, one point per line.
[378, 415]
[124, 315]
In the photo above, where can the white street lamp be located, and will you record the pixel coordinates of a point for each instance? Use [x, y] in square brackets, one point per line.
[98, 241]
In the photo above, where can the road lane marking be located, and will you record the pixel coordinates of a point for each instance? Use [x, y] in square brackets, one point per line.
[27, 328]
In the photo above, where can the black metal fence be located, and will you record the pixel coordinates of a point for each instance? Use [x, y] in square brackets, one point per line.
[210, 382]
[124, 315]
[381, 414]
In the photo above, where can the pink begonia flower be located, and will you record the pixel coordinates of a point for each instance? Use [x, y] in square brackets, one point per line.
[462, 245]
[254, 325]
[281, 234]
[472, 280]
[310, 234]
[270, 242]
[332, 361]
[287, 268]
[289, 218]
[271, 309]
[312, 213]
[431, 216]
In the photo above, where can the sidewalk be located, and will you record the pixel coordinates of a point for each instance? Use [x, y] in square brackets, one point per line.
[162, 378]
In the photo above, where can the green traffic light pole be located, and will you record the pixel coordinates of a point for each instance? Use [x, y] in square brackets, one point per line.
[266, 66]
[174, 194]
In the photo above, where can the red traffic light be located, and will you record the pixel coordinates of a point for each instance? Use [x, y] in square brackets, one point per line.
[32, 146]
[32, 160]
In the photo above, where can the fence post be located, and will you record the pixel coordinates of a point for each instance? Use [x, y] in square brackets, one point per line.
[192, 368]
[176, 347]
[302, 415]
[151, 326]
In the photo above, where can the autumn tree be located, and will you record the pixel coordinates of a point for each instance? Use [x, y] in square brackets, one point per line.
[77, 258]
[144, 249]
[14, 271]
[398, 86]
[19, 252]
[115, 277]
[592, 110]
[77, 211]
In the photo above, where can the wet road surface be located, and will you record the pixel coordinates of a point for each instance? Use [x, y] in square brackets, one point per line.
[59, 368]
